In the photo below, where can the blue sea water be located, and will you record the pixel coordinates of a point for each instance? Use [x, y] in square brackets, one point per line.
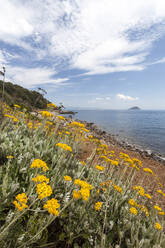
[144, 128]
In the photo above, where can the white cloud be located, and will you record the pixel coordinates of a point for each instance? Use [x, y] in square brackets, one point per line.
[96, 36]
[126, 98]
[160, 61]
[2, 58]
[33, 76]
[102, 100]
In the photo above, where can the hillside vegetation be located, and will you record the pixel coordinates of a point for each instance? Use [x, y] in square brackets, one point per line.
[52, 198]
[15, 94]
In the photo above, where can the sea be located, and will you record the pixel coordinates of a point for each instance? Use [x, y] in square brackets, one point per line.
[143, 128]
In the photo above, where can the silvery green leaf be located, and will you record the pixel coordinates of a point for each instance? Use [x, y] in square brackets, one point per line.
[24, 169]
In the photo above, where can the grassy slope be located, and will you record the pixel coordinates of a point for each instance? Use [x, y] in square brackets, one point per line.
[15, 94]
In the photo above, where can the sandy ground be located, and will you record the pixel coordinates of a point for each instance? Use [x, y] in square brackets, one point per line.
[149, 182]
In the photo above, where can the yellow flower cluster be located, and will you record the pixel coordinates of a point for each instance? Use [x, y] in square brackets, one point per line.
[46, 114]
[161, 192]
[84, 192]
[98, 206]
[43, 190]
[132, 202]
[161, 213]
[158, 226]
[76, 194]
[149, 171]
[33, 125]
[11, 117]
[107, 183]
[134, 163]
[64, 147]
[49, 105]
[51, 206]
[137, 162]
[40, 179]
[157, 208]
[123, 155]
[20, 204]
[143, 208]
[67, 178]
[9, 157]
[17, 106]
[100, 168]
[37, 163]
[133, 210]
[148, 196]
[77, 124]
[118, 188]
[85, 130]
[114, 162]
[140, 190]
[83, 163]
[60, 117]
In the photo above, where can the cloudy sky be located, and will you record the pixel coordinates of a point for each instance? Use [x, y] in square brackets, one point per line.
[107, 54]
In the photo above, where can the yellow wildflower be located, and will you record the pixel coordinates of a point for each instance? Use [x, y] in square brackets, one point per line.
[157, 208]
[133, 211]
[100, 168]
[76, 194]
[148, 196]
[83, 184]
[60, 117]
[21, 198]
[46, 114]
[37, 163]
[98, 206]
[137, 162]
[118, 188]
[85, 130]
[17, 106]
[67, 178]
[158, 226]
[141, 192]
[9, 157]
[132, 202]
[161, 213]
[51, 206]
[40, 179]
[144, 209]
[20, 204]
[83, 162]
[51, 105]
[85, 193]
[114, 162]
[64, 147]
[43, 190]
[77, 124]
[148, 170]
[161, 192]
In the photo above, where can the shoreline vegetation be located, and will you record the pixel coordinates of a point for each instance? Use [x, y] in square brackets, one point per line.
[66, 183]
[115, 140]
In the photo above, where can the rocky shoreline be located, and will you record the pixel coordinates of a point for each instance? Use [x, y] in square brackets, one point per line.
[111, 139]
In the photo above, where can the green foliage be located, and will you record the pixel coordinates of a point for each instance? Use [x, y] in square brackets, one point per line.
[78, 224]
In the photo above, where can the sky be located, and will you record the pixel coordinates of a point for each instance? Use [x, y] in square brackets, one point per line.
[107, 54]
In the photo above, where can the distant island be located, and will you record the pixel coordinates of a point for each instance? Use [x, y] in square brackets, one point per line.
[134, 108]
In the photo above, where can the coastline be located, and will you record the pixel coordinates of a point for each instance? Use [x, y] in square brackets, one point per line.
[114, 140]
[149, 160]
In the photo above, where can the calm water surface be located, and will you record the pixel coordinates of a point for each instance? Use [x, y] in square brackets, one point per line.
[143, 128]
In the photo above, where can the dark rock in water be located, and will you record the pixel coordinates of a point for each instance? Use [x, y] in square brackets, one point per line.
[134, 108]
